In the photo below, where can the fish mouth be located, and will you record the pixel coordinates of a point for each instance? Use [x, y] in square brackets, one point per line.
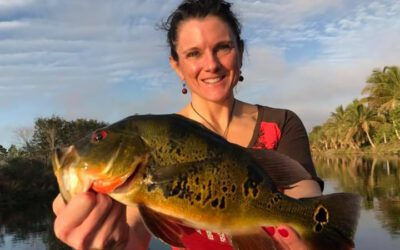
[124, 186]
[70, 180]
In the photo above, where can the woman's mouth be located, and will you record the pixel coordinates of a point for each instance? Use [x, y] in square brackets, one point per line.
[213, 80]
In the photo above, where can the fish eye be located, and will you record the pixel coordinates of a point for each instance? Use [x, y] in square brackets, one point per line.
[99, 135]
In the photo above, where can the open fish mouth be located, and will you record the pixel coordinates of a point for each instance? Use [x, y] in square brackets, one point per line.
[75, 175]
[68, 177]
[123, 187]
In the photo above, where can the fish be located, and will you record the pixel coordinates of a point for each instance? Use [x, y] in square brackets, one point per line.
[179, 173]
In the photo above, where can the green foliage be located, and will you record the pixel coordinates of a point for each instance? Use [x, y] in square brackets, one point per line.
[375, 119]
[25, 173]
[13, 152]
[50, 133]
[3, 153]
[23, 180]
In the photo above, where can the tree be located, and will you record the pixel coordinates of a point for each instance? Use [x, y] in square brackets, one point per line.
[50, 133]
[361, 119]
[383, 88]
[3, 153]
[12, 152]
[25, 135]
[337, 126]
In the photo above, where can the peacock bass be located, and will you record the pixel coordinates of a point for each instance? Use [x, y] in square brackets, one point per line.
[180, 173]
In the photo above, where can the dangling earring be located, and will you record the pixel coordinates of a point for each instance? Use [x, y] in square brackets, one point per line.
[184, 89]
[241, 78]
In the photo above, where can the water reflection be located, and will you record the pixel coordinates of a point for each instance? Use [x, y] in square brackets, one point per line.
[377, 180]
[28, 226]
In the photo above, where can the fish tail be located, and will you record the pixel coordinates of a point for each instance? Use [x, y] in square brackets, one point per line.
[335, 219]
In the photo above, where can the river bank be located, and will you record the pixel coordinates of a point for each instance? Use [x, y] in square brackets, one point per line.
[391, 149]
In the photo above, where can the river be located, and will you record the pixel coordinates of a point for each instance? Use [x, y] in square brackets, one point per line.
[376, 180]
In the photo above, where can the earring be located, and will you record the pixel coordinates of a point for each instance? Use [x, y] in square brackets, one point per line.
[184, 89]
[241, 78]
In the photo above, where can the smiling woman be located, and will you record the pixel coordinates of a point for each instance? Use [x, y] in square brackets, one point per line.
[206, 53]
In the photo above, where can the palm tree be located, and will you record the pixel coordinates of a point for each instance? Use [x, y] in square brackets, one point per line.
[361, 119]
[338, 125]
[383, 88]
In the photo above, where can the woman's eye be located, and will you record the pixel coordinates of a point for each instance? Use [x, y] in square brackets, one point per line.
[225, 47]
[193, 54]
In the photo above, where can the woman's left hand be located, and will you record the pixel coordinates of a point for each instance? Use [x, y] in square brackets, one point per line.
[285, 238]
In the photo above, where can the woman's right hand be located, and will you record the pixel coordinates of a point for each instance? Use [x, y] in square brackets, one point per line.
[90, 220]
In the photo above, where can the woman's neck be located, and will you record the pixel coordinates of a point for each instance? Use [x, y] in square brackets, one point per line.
[215, 116]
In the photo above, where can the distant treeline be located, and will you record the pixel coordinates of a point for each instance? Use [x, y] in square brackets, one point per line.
[26, 172]
[367, 123]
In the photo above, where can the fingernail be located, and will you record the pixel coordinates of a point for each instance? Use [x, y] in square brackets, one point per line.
[270, 230]
[283, 232]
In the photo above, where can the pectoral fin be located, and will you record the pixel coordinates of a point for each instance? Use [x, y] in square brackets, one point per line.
[162, 226]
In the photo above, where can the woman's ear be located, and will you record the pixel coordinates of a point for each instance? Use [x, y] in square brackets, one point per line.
[175, 66]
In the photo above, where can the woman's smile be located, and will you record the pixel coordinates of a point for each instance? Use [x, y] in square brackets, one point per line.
[213, 80]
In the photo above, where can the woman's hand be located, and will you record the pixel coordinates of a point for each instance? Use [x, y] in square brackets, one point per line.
[90, 220]
[285, 237]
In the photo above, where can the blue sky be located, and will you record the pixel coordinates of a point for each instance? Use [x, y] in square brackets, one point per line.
[106, 59]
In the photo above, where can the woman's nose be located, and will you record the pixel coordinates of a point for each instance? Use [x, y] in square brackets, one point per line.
[212, 62]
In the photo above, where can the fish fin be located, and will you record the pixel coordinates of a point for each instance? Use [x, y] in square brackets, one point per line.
[162, 226]
[334, 222]
[282, 170]
[256, 240]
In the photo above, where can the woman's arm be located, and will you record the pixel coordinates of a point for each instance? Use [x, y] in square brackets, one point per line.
[294, 143]
[303, 189]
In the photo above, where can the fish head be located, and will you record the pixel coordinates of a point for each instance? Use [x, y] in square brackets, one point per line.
[102, 161]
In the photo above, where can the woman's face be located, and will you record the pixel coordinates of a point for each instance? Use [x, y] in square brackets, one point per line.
[209, 58]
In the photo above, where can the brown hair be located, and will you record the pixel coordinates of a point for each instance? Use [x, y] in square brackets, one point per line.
[200, 9]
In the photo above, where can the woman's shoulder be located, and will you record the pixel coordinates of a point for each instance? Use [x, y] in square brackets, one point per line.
[279, 115]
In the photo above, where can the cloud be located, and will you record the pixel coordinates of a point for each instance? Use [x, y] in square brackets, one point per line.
[107, 60]
[284, 13]
[371, 33]
[6, 25]
[5, 4]
[338, 56]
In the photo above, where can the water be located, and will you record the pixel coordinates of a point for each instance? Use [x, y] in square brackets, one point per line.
[376, 180]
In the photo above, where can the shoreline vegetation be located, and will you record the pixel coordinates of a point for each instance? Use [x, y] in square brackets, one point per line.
[390, 149]
[367, 126]
[26, 173]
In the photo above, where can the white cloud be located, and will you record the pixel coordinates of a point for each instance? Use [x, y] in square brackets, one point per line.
[106, 60]
[283, 13]
[14, 3]
[5, 25]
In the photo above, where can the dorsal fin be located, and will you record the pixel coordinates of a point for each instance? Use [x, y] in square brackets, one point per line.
[162, 226]
[283, 170]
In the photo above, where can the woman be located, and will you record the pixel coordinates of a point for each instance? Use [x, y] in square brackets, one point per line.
[206, 54]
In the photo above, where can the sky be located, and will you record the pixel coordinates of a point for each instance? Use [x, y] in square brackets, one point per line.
[108, 59]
